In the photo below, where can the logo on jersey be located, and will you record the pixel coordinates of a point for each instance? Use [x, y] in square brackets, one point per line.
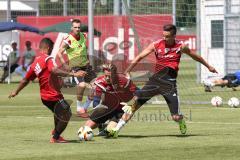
[108, 88]
[165, 56]
[166, 50]
[37, 69]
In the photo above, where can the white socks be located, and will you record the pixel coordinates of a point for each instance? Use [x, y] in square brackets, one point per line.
[87, 103]
[120, 124]
[208, 82]
[81, 105]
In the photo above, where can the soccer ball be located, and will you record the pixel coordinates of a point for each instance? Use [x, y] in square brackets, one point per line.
[85, 133]
[216, 101]
[233, 102]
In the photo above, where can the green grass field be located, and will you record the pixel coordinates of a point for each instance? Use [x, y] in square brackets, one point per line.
[25, 132]
[213, 133]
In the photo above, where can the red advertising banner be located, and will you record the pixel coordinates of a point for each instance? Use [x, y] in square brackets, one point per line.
[119, 36]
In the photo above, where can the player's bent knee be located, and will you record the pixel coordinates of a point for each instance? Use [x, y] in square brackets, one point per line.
[66, 115]
[63, 111]
[79, 97]
[82, 85]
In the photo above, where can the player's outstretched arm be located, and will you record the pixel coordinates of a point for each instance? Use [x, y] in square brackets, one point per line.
[63, 73]
[198, 58]
[143, 54]
[60, 53]
[54, 69]
[24, 82]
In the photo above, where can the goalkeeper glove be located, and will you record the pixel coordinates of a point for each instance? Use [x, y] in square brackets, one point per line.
[127, 108]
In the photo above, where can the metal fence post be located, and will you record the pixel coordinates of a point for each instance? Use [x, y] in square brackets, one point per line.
[90, 32]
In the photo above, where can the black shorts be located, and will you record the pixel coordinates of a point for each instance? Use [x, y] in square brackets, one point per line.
[230, 78]
[88, 78]
[12, 68]
[163, 83]
[101, 115]
[60, 108]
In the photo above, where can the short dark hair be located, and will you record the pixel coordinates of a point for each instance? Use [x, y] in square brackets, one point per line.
[76, 21]
[170, 28]
[13, 43]
[46, 42]
[28, 43]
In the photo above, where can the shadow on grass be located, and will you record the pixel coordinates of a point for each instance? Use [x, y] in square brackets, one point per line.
[69, 141]
[83, 142]
[169, 135]
[74, 141]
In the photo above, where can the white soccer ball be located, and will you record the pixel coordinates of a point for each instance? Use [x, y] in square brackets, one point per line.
[216, 101]
[85, 133]
[233, 102]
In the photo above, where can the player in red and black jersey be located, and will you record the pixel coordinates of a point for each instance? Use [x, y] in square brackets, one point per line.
[45, 70]
[168, 52]
[110, 90]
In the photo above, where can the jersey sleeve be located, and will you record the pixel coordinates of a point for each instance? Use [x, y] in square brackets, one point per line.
[156, 43]
[98, 91]
[100, 87]
[237, 74]
[50, 63]
[30, 75]
[132, 87]
[127, 89]
[127, 84]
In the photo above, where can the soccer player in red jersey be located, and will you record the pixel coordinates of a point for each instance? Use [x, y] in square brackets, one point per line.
[168, 52]
[45, 70]
[110, 90]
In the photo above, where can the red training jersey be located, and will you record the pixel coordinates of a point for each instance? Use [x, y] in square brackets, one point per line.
[123, 93]
[167, 56]
[41, 68]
